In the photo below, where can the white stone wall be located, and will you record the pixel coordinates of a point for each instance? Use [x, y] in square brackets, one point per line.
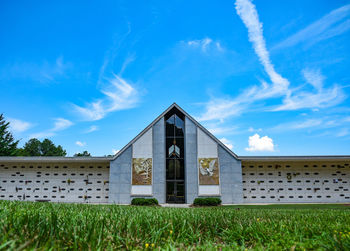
[207, 148]
[296, 182]
[55, 182]
[142, 148]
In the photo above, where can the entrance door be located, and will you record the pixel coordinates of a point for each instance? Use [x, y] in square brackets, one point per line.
[175, 165]
[175, 192]
[175, 181]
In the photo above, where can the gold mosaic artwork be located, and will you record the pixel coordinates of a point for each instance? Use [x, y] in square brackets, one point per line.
[208, 171]
[142, 171]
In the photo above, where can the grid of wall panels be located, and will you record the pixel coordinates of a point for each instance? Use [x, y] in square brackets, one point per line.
[55, 182]
[296, 182]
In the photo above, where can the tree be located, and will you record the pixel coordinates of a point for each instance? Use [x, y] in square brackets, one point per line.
[8, 145]
[83, 154]
[32, 148]
[45, 148]
[48, 148]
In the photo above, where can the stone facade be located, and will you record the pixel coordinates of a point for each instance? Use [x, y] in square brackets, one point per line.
[210, 169]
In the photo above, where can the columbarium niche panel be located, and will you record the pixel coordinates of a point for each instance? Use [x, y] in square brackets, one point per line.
[142, 165]
[208, 165]
[296, 182]
[55, 182]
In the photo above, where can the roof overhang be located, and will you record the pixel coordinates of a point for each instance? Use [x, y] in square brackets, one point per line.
[55, 159]
[295, 158]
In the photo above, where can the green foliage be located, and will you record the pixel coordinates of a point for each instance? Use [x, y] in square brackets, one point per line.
[83, 154]
[32, 148]
[54, 226]
[45, 148]
[210, 201]
[144, 201]
[8, 145]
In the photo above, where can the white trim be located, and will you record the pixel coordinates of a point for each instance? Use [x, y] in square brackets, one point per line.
[141, 190]
[209, 190]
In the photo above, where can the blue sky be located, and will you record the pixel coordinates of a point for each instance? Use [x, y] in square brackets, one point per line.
[265, 77]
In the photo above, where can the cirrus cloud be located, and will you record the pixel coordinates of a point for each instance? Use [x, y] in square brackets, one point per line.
[18, 126]
[119, 95]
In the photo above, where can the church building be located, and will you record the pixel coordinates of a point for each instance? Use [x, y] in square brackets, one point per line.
[175, 160]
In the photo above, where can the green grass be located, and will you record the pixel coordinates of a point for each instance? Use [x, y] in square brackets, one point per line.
[25, 225]
[294, 206]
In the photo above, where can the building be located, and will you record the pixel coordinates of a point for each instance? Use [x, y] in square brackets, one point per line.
[175, 160]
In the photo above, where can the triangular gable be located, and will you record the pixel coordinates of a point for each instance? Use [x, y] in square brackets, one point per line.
[189, 117]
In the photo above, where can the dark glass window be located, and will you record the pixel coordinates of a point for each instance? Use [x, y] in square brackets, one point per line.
[175, 168]
[179, 127]
[175, 147]
[170, 169]
[170, 126]
[179, 169]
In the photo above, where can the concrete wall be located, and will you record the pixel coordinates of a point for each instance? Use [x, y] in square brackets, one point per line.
[120, 178]
[159, 184]
[230, 178]
[191, 169]
[55, 182]
[296, 182]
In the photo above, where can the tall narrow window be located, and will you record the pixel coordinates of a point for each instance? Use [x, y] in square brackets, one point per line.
[175, 168]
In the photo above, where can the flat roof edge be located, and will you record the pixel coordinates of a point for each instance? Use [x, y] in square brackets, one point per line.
[304, 157]
[54, 159]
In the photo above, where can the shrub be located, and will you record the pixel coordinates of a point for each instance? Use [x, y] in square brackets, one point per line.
[144, 201]
[210, 201]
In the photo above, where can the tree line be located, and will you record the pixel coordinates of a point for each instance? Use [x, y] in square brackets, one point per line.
[33, 147]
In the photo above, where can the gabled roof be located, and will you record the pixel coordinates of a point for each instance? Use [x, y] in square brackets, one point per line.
[189, 117]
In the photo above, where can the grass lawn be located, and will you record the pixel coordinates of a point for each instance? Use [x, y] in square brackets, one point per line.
[293, 206]
[25, 225]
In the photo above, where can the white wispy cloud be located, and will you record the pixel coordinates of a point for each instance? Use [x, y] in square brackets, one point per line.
[320, 97]
[18, 126]
[247, 12]
[221, 130]
[333, 121]
[309, 123]
[127, 61]
[59, 124]
[41, 135]
[227, 143]
[80, 143]
[220, 109]
[330, 25]
[119, 95]
[260, 144]
[41, 72]
[91, 129]
[115, 151]
[204, 44]
[343, 132]
[251, 129]
[292, 99]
